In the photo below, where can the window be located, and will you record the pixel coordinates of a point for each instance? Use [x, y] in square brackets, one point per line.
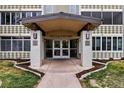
[86, 13]
[39, 13]
[49, 43]
[108, 43]
[34, 13]
[7, 18]
[26, 45]
[73, 43]
[23, 14]
[17, 17]
[107, 17]
[119, 43]
[17, 45]
[5, 44]
[117, 17]
[97, 43]
[73, 47]
[96, 14]
[13, 18]
[28, 14]
[103, 43]
[93, 43]
[2, 18]
[114, 43]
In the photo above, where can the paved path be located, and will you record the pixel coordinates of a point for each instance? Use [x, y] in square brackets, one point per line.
[60, 74]
[51, 80]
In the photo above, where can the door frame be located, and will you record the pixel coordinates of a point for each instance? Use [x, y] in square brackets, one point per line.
[61, 49]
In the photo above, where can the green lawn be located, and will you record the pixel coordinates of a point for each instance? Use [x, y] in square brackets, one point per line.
[12, 77]
[112, 77]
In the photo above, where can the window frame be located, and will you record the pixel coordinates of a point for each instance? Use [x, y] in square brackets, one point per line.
[105, 20]
[115, 44]
[98, 44]
[120, 44]
[6, 44]
[104, 43]
[109, 44]
[114, 19]
[93, 43]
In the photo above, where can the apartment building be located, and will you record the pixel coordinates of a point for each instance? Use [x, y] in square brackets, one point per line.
[17, 25]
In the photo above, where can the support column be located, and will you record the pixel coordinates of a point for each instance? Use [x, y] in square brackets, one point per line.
[86, 49]
[36, 49]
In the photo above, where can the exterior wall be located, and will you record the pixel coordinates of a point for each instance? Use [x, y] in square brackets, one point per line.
[20, 7]
[106, 30]
[103, 30]
[74, 9]
[16, 30]
[58, 8]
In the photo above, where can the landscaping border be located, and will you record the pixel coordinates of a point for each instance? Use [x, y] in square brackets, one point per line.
[100, 67]
[25, 66]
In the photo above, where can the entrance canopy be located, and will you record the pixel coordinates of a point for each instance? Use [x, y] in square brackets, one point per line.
[61, 22]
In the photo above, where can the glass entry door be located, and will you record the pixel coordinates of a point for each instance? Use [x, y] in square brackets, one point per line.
[61, 49]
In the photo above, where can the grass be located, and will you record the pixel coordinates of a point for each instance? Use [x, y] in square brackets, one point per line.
[112, 77]
[12, 77]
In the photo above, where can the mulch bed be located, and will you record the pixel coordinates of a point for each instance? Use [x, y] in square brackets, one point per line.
[21, 60]
[18, 60]
[96, 66]
[102, 60]
[26, 66]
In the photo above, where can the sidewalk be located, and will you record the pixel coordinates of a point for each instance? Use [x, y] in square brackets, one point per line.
[59, 80]
[60, 74]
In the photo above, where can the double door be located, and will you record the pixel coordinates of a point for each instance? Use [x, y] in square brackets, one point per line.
[61, 49]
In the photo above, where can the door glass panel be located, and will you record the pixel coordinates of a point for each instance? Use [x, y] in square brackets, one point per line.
[65, 52]
[49, 53]
[57, 52]
[56, 44]
[64, 44]
[49, 43]
[61, 49]
[73, 53]
[73, 43]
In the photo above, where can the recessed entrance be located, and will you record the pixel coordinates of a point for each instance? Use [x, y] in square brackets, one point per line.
[61, 49]
[62, 24]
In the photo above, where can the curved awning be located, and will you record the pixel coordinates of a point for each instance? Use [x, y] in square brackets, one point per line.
[61, 22]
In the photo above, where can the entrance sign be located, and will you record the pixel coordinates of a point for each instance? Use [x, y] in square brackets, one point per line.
[35, 42]
[87, 42]
[87, 35]
[34, 35]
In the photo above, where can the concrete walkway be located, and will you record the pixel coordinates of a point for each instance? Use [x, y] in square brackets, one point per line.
[51, 80]
[60, 74]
